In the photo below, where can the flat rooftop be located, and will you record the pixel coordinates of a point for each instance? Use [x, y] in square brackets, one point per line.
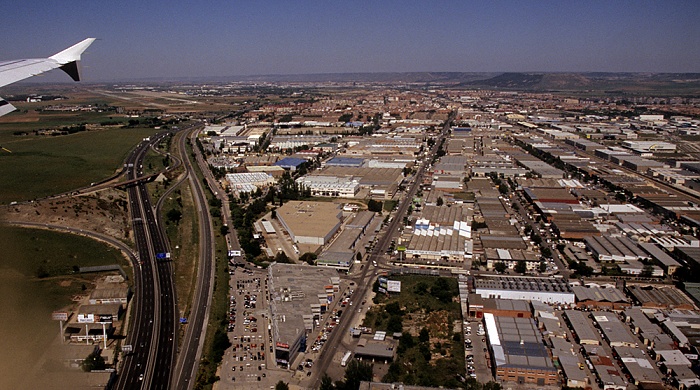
[312, 219]
[517, 343]
[523, 284]
[297, 293]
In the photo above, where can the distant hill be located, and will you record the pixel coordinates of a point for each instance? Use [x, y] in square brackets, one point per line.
[581, 83]
[664, 83]
[386, 77]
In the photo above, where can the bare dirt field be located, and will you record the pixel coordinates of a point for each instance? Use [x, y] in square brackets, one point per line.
[102, 212]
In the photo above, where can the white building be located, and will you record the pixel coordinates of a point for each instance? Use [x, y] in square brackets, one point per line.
[526, 288]
[329, 186]
[248, 181]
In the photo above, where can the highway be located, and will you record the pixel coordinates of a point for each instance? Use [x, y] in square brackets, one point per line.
[152, 334]
[193, 341]
[367, 277]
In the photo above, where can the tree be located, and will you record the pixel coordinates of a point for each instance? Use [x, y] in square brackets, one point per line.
[424, 335]
[308, 257]
[93, 361]
[395, 324]
[520, 267]
[441, 290]
[500, 267]
[406, 341]
[393, 308]
[543, 266]
[357, 372]
[281, 386]
[374, 205]
[440, 202]
[174, 215]
[282, 257]
[358, 256]
[326, 383]
[491, 385]
[421, 288]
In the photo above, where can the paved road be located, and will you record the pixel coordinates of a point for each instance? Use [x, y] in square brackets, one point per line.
[193, 342]
[154, 313]
[368, 273]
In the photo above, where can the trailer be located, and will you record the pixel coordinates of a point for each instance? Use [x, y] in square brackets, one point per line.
[346, 359]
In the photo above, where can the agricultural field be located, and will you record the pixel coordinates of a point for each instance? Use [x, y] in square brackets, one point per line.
[37, 277]
[39, 166]
[430, 351]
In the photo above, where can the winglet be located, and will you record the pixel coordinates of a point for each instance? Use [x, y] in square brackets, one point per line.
[72, 53]
[68, 59]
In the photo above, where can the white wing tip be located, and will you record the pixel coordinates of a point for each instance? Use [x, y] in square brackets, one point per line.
[72, 53]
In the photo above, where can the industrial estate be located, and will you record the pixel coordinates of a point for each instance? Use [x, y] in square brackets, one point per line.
[375, 235]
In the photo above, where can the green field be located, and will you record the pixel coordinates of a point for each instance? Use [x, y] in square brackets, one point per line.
[426, 304]
[43, 166]
[26, 302]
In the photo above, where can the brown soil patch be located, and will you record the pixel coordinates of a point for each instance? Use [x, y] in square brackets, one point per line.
[103, 212]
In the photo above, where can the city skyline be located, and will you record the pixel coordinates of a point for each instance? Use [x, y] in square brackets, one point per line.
[222, 39]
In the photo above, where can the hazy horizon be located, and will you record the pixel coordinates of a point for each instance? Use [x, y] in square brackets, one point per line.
[172, 40]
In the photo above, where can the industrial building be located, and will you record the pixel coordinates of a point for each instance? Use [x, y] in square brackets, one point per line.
[615, 332]
[511, 257]
[332, 186]
[342, 252]
[441, 234]
[526, 288]
[477, 306]
[311, 223]
[614, 249]
[248, 181]
[299, 298]
[594, 297]
[378, 182]
[290, 163]
[668, 263]
[110, 295]
[644, 147]
[517, 352]
[640, 368]
[376, 347]
[584, 332]
[659, 297]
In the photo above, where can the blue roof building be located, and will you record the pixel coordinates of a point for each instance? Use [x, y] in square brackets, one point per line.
[290, 163]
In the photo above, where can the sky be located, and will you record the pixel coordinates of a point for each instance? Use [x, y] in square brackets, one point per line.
[173, 38]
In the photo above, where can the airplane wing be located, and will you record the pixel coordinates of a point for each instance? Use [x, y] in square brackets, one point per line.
[67, 60]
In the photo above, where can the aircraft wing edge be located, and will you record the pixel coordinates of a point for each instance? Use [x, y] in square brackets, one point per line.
[72, 53]
[5, 107]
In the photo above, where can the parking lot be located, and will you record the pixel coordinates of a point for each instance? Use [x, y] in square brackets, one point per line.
[249, 363]
[475, 346]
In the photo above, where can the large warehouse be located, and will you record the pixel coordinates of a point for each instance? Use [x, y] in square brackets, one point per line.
[310, 222]
[299, 296]
[518, 352]
[526, 288]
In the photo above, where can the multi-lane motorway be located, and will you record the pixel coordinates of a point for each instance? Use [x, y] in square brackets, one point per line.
[152, 334]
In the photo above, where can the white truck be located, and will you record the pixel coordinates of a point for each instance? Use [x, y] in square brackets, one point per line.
[346, 359]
